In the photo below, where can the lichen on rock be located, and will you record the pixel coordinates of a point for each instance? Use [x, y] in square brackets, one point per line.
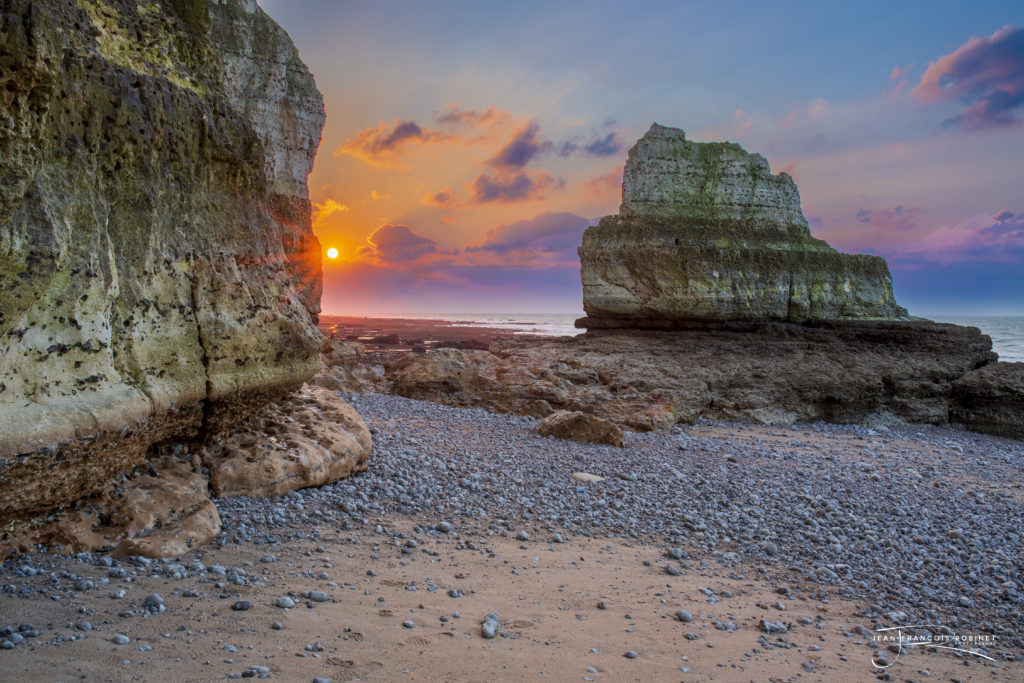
[159, 278]
[707, 232]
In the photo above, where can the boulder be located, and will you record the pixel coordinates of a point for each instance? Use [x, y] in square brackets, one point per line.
[707, 232]
[577, 426]
[311, 438]
[159, 278]
[991, 400]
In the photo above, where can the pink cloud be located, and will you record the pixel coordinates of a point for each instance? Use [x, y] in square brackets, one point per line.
[985, 74]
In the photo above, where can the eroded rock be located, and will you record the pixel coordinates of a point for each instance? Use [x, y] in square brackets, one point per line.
[577, 426]
[770, 373]
[707, 232]
[308, 439]
[341, 368]
[991, 400]
[159, 278]
[159, 510]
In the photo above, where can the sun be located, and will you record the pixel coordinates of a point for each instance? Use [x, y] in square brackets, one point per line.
[332, 253]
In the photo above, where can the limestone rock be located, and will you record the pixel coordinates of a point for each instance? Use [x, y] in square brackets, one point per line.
[707, 232]
[991, 400]
[341, 368]
[159, 278]
[162, 510]
[577, 426]
[309, 439]
[772, 373]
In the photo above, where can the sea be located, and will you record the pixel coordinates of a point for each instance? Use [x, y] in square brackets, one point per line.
[1007, 332]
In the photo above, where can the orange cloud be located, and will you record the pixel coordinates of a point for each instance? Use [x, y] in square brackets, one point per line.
[608, 184]
[385, 145]
[445, 199]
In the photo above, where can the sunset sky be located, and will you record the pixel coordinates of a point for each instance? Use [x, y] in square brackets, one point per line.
[469, 144]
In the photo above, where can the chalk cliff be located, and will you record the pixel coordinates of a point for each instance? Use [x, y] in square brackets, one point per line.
[159, 278]
[706, 232]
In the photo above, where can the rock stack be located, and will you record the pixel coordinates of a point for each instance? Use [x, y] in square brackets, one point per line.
[706, 232]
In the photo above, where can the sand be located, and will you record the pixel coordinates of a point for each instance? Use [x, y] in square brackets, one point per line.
[547, 596]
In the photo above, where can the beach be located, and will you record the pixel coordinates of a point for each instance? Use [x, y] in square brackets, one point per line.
[785, 548]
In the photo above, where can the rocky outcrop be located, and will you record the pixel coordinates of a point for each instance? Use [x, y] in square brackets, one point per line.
[309, 439]
[577, 426]
[991, 400]
[707, 232]
[158, 274]
[341, 368]
[770, 373]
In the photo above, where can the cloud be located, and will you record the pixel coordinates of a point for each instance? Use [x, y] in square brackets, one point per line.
[985, 74]
[608, 184]
[445, 199]
[329, 207]
[898, 73]
[385, 145]
[524, 147]
[547, 233]
[505, 188]
[396, 244]
[981, 237]
[488, 123]
[898, 219]
[600, 145]
[818, 109]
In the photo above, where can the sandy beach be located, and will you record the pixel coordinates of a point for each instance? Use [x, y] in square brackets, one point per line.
[391, 575]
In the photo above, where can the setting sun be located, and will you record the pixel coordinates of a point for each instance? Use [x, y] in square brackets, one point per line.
[332, 253]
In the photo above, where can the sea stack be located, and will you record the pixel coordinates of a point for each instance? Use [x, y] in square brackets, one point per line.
[705, 233]
[159, 278]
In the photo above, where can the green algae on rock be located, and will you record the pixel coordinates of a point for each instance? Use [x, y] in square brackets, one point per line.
[706, 232]
[159, 278]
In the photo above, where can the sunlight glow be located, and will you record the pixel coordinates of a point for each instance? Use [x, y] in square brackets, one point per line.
[332, 253]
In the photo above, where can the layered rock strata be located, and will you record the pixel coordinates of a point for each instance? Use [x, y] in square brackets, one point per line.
[159, 278]
[707, 232]
[769, 373]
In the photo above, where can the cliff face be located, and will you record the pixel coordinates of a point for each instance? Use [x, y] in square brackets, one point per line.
[706, 232]
[158, 273]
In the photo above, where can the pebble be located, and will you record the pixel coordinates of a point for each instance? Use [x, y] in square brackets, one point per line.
[241, 605]
[630, 654]
[121, 639]
[284, 602]
[683, 616]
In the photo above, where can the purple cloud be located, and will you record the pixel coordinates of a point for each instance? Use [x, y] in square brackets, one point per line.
[505, 188]
[985, 74]
[396, 244]
[524, 147]
[547, 231]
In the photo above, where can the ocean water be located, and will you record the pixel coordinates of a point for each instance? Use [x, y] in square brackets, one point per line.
[1007, 332]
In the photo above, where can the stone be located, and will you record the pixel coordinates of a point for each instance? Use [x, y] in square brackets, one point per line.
[578, 426]
[159, 278]
[881, 372]
[311, 438]
[587, 477]
[990, 400]
[340, 368]
[707, 232]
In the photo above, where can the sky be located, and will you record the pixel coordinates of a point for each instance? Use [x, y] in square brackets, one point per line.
[469, 144]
